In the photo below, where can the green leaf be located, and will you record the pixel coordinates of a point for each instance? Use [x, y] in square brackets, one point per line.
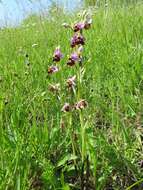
[65, 159]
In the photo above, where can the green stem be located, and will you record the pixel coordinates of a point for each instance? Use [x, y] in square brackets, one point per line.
[83, 142]
[72, 140]
[136, 183]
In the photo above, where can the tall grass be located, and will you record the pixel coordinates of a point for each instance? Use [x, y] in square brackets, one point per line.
[110, 2]
[40, 147]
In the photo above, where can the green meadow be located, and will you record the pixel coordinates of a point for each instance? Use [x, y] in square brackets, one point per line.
[99, 147]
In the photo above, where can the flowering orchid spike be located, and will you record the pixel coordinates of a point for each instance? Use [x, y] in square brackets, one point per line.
[57, 55]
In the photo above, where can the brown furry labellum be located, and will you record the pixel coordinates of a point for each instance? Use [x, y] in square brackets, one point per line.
[54, 87]
[71, 62]
[73, 59]
[87, 26]
[66, 108]
[52, 69]
[71, 81]
[82, 104]
[56, 58]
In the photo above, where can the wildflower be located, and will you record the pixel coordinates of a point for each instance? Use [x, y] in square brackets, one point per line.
[77, 39]
[88, 22]
[73, 58]
[81, 104]
[54, 88]
[71, 81]
[77, 27]
[66, 108]
[57, 55]
[53, 69]
[74, 40]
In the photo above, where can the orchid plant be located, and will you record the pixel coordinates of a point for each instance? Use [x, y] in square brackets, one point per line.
[74, 60]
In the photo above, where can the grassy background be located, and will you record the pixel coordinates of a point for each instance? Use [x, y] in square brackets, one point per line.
[34, 149]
